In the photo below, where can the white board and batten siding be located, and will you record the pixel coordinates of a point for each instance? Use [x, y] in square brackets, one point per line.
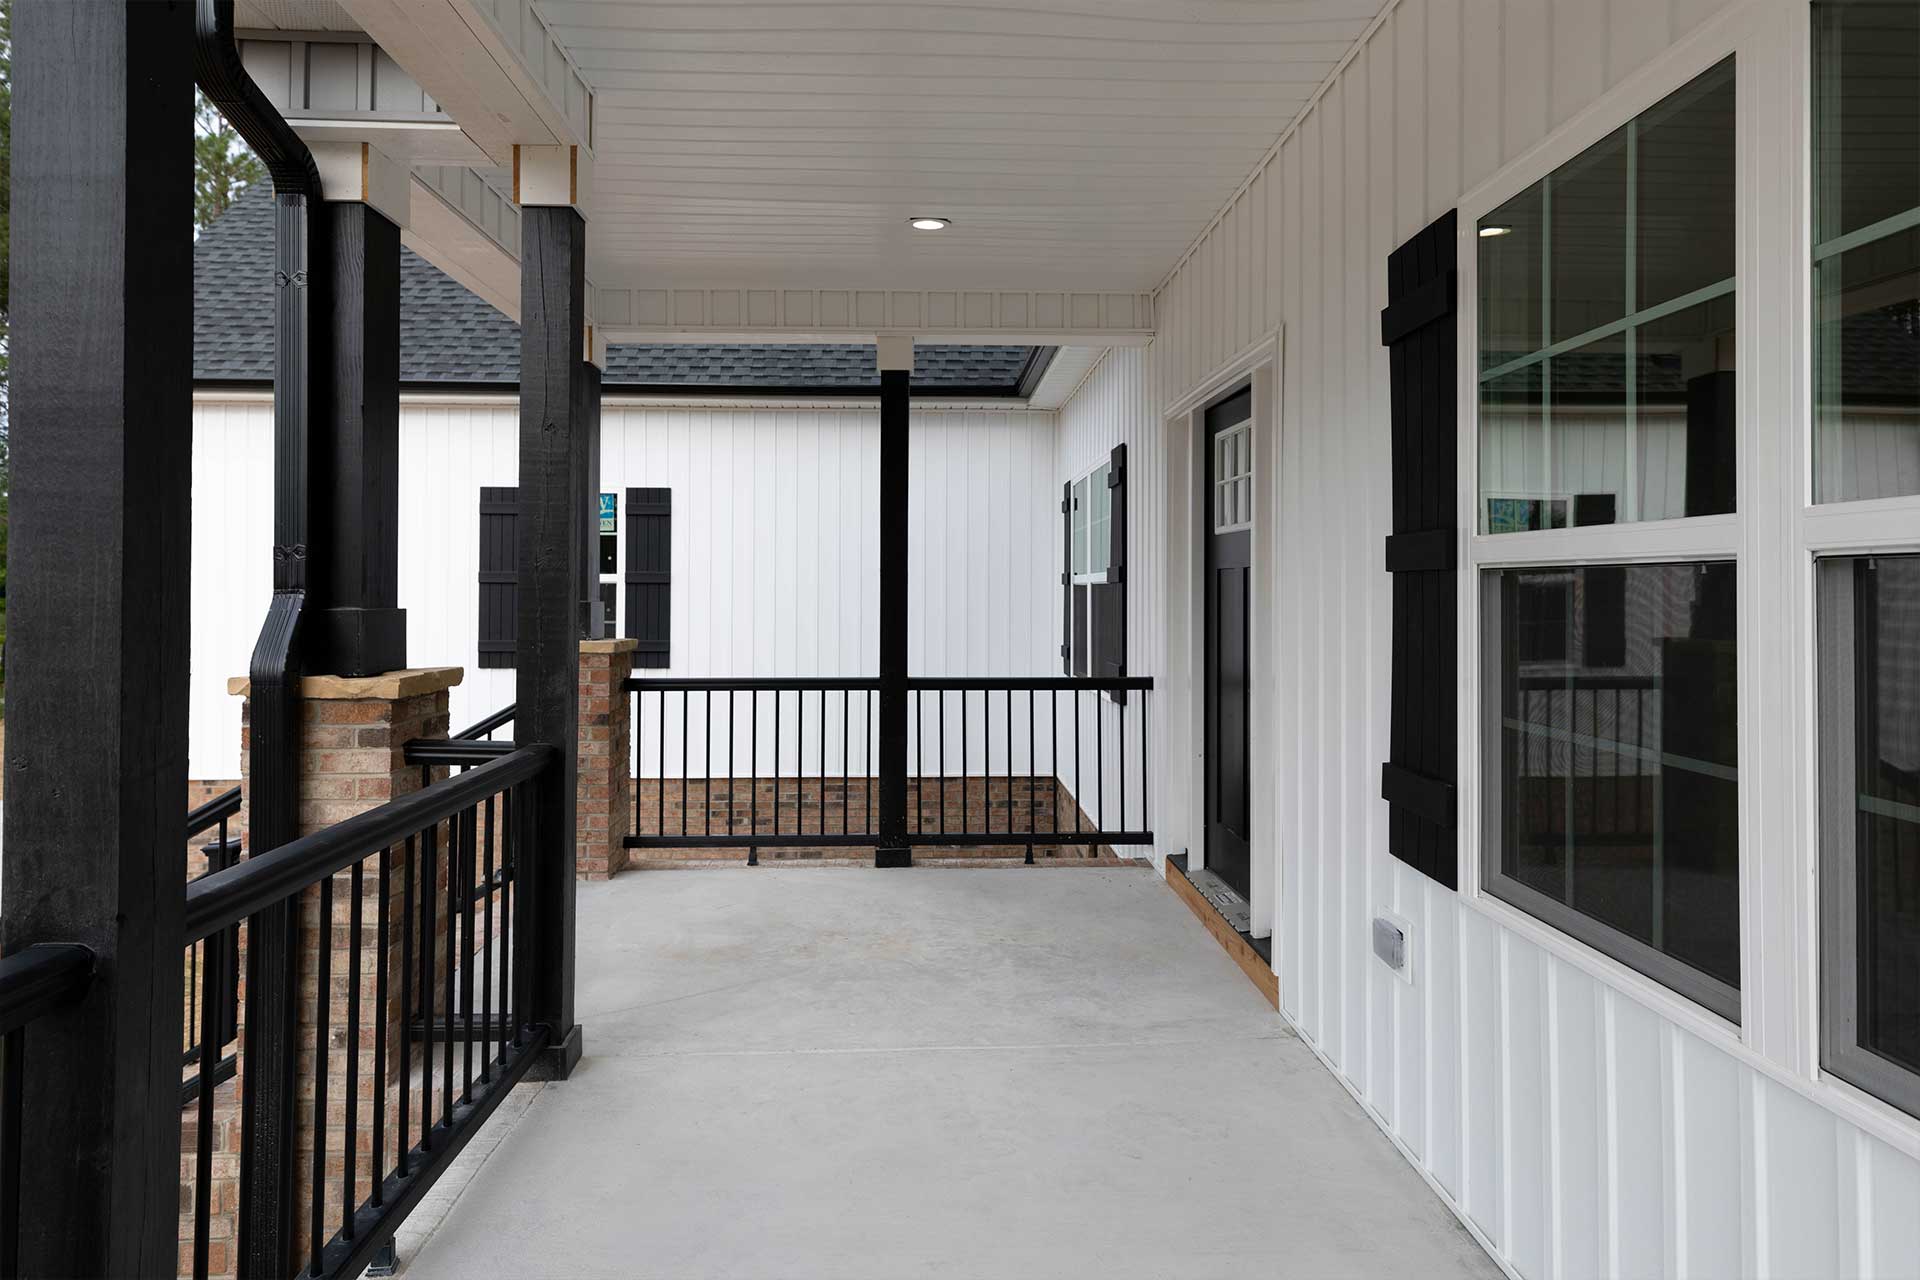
[775, 542]
[1581, 1124]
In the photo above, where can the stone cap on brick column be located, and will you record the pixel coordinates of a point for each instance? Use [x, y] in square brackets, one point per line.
[619, 644]
[410, 683]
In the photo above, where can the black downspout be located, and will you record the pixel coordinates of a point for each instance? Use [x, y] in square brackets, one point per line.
[273, 756]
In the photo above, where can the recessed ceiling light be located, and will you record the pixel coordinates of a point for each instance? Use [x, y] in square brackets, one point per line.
[1489, 232]
[929, 224]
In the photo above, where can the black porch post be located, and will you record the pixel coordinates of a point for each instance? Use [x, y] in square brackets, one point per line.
[554, 438]
[362, 631]
[102, 487]
[896, 375]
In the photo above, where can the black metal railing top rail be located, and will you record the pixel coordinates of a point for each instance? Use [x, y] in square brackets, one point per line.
[34, 981]
[408, 872]
[995, 762]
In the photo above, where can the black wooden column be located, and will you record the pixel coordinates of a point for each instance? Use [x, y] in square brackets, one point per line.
[97, 708]
[362, 632]
[555, 436]
[892, 850]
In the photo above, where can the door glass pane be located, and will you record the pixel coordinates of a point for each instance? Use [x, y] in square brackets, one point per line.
[1866, 258]
[1606, 341]
[1615, 714]
[1886, 631]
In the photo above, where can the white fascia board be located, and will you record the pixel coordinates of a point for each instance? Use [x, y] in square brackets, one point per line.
[1014, 317]
[503, 77]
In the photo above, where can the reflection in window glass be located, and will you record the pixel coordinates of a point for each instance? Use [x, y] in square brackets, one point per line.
[1614, 791]
[1881, 708]
[1080, 513]
[1866, 250]
[1607, 326]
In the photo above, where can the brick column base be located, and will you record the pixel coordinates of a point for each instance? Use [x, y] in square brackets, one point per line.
[353, 742]
[604, 799]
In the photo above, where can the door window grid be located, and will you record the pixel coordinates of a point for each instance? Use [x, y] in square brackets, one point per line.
[1233, 479]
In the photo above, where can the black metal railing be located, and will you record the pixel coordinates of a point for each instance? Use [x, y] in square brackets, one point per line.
[221, 851]
[412, 934]
[1586, 752]
[34, 981]
[991, 764]
[484, 729]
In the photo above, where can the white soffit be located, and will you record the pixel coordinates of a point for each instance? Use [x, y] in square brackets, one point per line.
[1075, 144]
[1063, 377]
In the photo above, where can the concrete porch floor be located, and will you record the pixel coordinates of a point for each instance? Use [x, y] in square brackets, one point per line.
[1005, 1073]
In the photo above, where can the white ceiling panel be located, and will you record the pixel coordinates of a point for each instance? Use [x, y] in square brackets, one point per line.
[1075, 144]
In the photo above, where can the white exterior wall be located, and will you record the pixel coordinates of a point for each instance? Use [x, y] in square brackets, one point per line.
[1580, 1120]
[775, 542]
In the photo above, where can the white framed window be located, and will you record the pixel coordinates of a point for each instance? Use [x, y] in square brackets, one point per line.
[1861, 531]
[1604, 583]
[1092, 527]
[1233, 479]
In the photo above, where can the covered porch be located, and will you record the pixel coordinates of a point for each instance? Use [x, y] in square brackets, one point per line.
[836, 1072]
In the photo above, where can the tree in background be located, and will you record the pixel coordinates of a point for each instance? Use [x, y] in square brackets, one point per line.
[223, 167]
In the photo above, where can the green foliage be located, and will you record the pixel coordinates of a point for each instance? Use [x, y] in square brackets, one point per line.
[222, 165]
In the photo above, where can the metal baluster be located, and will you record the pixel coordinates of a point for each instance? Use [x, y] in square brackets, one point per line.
[323, 1007]
[846, 765]
[1053, 752]
[486, 953]
[731, 760]
[966, 792]
[799, 762]
[1146, 771]
[1033, 815]
[1009, 694]
[706, 750]
[1122, 756]
[940, 705]
[685, 699]
[210, 997]
[469, 821]
[1078, 782]
[660, 773]
[378, 1168]
[776, 762]
[450, 1015]
[351, 1144]
[753, 767]
[1099, 762]
[406, 1005]
[429, 873]
[509, 923]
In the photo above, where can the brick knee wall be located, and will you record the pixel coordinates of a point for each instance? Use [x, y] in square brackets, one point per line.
[834, 805]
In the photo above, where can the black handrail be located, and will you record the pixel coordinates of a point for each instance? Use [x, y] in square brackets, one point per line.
[455, 751]
[40, 978]
[1024, 684]
[482, 728]
[801, 684]
[266, 879]
[223, 806]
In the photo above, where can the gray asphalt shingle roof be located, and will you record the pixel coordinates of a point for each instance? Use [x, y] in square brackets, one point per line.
[449, 335]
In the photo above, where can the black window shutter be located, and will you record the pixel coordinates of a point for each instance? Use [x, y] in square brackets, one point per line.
[649, 575]
[1110, 598]
[1419, 328]
[1066, 579]
[499, 581]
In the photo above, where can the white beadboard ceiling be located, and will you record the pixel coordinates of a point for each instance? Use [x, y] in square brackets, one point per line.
[1076, 144]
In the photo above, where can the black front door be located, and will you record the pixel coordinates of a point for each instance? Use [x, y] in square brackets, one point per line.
[1227, 532]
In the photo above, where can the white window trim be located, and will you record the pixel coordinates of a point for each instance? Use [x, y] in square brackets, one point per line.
[1775, 541]
[1090, 579]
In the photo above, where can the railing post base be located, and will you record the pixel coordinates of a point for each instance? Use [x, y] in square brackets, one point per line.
[557, 1061]
[386, 1261]
[893, 857]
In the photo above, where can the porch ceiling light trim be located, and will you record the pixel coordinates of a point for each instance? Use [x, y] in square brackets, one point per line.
[927, 222]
